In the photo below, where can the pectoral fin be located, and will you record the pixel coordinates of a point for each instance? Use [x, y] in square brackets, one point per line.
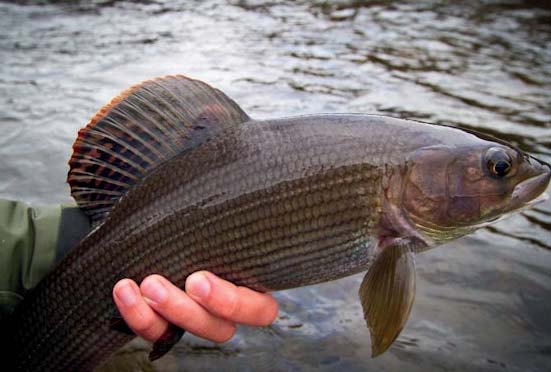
[387, 294]
[118, 324]
[168, 339]
[163, 345]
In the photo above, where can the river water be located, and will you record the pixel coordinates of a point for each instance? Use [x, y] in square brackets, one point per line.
[483, 302]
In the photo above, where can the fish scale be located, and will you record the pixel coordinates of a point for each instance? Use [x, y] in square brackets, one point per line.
[300, 243]
[269, 205]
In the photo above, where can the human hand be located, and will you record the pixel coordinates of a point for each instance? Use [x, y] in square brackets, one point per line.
[209, 308]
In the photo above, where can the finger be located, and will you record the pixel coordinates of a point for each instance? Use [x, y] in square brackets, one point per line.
[137, 314]
[178, 308]
[226, 300]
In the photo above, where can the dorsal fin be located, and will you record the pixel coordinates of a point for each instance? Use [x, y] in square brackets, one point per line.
[139, 129]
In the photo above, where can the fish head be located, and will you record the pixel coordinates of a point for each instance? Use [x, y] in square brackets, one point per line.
[449, 191]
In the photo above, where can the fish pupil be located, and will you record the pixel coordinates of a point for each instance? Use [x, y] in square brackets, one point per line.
[501, 168]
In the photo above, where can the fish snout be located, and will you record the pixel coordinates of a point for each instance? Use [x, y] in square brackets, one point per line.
[532, 189]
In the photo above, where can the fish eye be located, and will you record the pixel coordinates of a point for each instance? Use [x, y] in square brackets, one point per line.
[498, 162]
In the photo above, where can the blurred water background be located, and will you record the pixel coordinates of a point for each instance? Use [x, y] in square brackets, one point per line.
[483, 302]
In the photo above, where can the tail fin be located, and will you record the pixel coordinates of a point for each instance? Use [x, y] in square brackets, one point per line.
[139, 129]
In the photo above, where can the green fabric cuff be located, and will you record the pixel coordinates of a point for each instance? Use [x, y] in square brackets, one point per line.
[73, 226]
[28, 238]
[45, 222]
[32, 240]
[8, 302]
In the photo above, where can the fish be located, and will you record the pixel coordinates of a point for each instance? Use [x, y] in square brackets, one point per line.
[177, 178]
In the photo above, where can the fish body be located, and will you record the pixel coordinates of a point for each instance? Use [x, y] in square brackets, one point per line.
[270, 205]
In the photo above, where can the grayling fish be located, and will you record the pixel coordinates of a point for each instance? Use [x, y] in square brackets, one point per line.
[178, 178]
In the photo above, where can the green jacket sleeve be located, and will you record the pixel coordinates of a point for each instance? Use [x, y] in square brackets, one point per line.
[32, 240]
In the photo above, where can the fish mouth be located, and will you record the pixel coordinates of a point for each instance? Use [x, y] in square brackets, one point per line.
[532, 190]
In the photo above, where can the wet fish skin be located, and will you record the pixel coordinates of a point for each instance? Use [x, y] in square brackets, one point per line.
[267, 204]
[197, 219]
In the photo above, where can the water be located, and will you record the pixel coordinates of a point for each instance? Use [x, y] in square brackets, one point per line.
[483, 302]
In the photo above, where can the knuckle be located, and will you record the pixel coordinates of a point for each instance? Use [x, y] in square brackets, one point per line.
[230, 308]
[143, 325]
[179, 312]
[179, 303]
[227, 335]
[271, 316]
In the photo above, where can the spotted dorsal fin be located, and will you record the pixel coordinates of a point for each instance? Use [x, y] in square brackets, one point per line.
[139, 129]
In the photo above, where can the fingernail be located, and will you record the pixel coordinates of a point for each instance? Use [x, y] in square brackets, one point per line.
[154, 290]
[198, 285]
[126, 294]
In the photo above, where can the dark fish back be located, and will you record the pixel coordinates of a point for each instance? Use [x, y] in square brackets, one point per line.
[269, 205]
